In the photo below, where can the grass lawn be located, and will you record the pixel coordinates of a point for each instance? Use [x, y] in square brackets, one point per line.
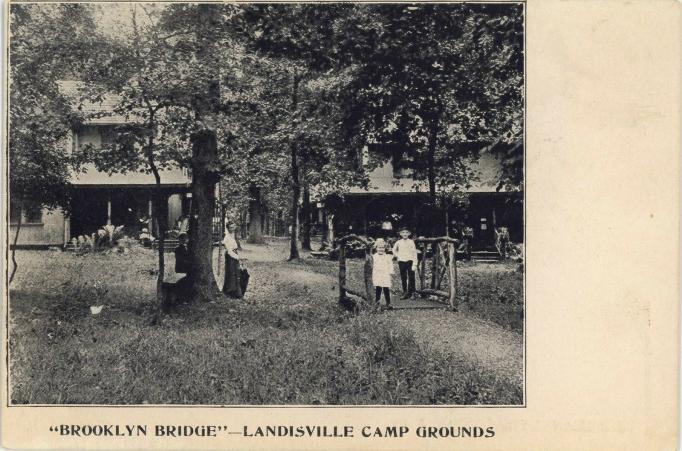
[287, 343]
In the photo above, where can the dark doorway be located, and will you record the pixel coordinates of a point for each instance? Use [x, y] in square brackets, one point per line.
[88, 211]
[482, 220]
[130, 208]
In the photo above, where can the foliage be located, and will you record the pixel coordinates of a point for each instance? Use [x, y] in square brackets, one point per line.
[153, 133]
[303, 45]
[47, 43]
[109, 235]
[105, 239]
[169, 95]
[441, 82]
[292, 93]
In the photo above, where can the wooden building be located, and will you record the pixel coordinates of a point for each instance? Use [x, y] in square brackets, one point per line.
[99, 198]
[394, 196]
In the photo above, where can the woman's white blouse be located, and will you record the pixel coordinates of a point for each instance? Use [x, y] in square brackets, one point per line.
[230, 245]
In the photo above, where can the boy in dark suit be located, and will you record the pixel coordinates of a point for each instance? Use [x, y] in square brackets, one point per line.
[183, 264]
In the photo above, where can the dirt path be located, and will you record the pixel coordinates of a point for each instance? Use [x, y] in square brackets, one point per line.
[486, 343]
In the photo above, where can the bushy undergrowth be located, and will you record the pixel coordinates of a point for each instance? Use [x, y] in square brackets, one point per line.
[288, 344]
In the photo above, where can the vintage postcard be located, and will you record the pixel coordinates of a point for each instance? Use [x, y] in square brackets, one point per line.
[341, 225]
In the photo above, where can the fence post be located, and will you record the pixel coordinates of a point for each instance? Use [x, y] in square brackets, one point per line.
[422, 270]
[342, 271]
[434, 265]
[369, 286]
[437, 263]
[452, 275]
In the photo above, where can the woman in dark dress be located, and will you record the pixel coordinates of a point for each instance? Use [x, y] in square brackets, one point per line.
[232, 285]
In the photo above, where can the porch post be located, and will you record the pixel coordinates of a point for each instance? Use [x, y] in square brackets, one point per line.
[67, 229]
[150, 214]
[109, 210]
[415, 222]
[330, 228]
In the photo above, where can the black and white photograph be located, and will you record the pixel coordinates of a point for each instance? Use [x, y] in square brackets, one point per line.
[266, 204]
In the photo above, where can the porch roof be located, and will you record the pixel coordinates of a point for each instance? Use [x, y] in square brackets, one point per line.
[92, 177]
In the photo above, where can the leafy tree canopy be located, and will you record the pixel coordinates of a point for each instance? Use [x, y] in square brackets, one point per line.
[48, 44]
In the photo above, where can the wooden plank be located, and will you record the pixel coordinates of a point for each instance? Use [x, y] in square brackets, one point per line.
[369, 286]
[352, 302]
[419, 307]
[436, 240]
[347, 238]
[422, 270]
[434, 265]
[430, 291]
[442, 268]
[355, 293]
[452, 276]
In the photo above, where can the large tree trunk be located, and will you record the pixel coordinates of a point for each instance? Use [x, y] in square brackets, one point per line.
[433, 205]
[204, 154]
[255, 216]
[306, 227]
[204, 160]
[295, 182]
[14, 245]
[431, 168]
[295, 197]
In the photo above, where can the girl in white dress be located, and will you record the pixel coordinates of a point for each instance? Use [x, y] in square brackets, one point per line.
[382, 269]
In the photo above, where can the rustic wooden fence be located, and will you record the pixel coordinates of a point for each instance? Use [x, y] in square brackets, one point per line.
[346, 295]
[443, 266]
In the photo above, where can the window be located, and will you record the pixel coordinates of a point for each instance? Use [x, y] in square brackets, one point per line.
[399, 155]
[14, 212]
[402, 164]
[32, 213]
[108, 136]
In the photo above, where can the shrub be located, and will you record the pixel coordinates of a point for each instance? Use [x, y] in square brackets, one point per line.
[109, 235]
[106, 238]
